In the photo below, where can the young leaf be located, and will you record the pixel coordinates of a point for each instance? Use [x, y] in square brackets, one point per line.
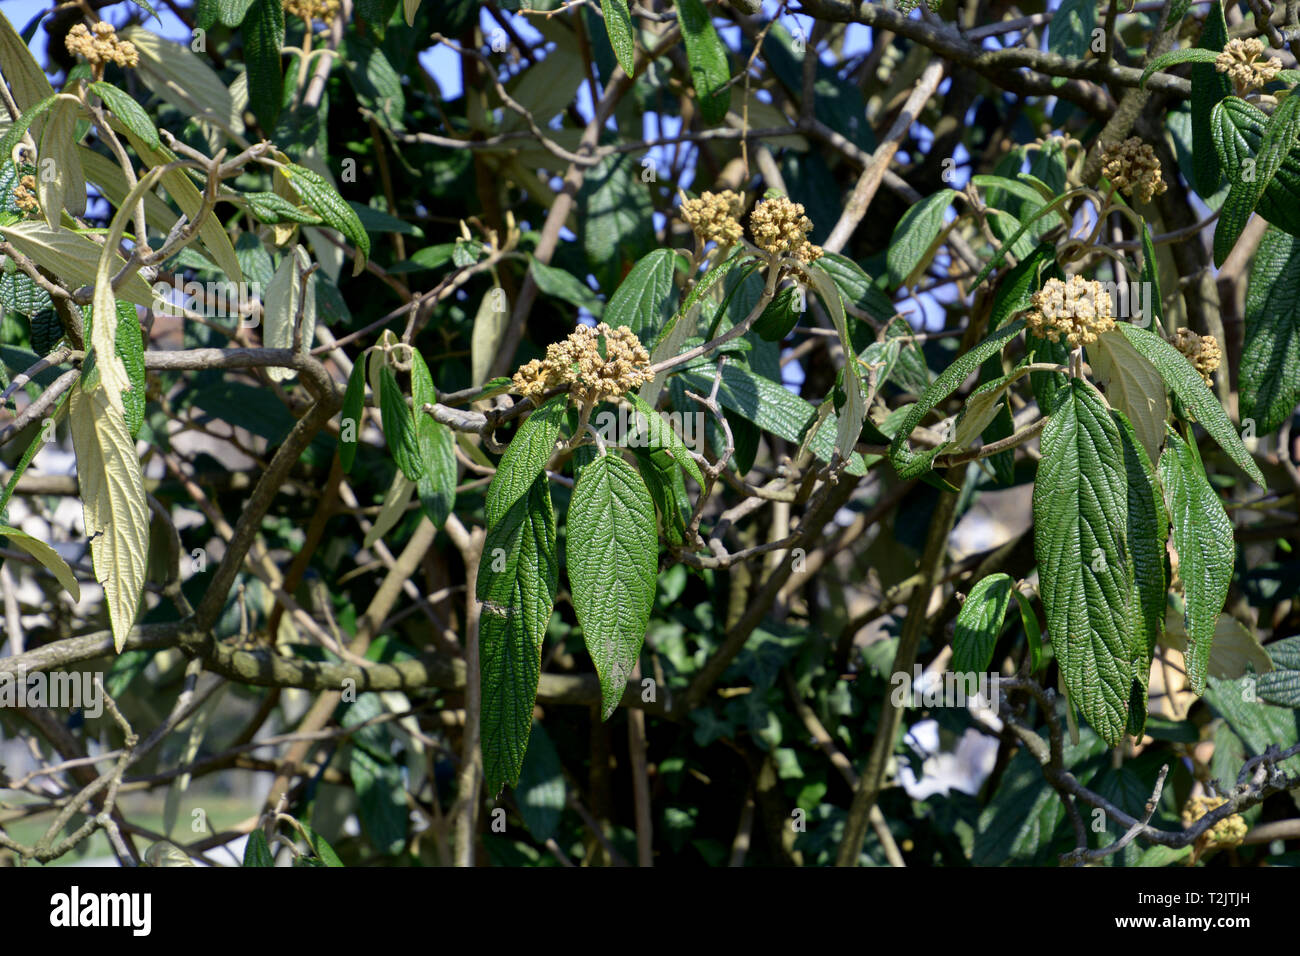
[317, 193]
[1186, 383]
[437, 447]
[354, 400]
[908, 463]
[710, 73]
[618, 24]
[1085, 572]
[115, 511]
[46, 555]
[613, 559]
[1270, 359]
[257, 852]
[517, 580]
[525, 458]
[1203, 538]
[124, 106]
[979, 622]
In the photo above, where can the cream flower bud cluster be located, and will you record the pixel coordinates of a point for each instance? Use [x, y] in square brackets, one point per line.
[309, 10]
[102, 46]
[780, 227]
[715, 217]
[1229, 831]
[1202, 351]
[1240, 59]
[1076, 311]
[1133, 168]
[578, 362]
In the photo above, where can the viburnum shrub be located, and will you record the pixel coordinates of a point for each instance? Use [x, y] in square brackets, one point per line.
[596, 433]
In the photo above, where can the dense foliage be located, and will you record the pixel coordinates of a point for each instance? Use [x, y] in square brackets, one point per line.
[606, 433]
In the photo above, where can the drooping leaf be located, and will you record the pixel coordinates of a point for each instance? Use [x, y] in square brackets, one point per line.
[1202, 536]
[320, 195]
[710, 72]
[399, 425]
[263, 33]
[517, 581]
[46, 555]
[915, 236]
[618, 24]
[437, 486]
[524, 459]
[115, 511]
[613, 559]
[1270, 359]
[1209, 86]
[1133, 386]
[354, 399]
[1084, 568]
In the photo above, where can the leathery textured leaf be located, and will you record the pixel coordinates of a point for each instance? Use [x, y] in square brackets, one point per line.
[612, 549]
[618, 24]
[1202, 536]
[113, 503]
[1209, 86]
[1084, 569]
[524, 459]
[710, 72]
[979, 622]
[517, 580]
[437, 447]
[46, 555]
[1270, 359]
[1146, 533]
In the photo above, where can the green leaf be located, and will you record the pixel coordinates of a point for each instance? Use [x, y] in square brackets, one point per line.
[525, 458]
[263, 33]
[1146, 533]
[1016, 289]
[1174, 57]
[564, 285]
[381, 795]
[979, 622]
[618, 24]
[1280, 137]
[318, 846]
[399, 426]
[317, 193]
[856, 286]
[854, 411]
[612, 552]
[661, 436]
[663, 479]
[354, 399]
[1186, 383]
[1270, 360]
[643, 301]
[46, 555]
[710, 73]
[1282, 685]
[1238, 130]
[914, 238]
[540, 794]
[1033, 634]
[780, 315]
[1202, 536]
[256, 850]
[773, 408]
[129, 346]
[1070, 34]
[908, 463]
[1209, 86]
[273, 208]
[124, 106]
[1085, 572]
[517, 581]
[437, 486]
[232, 12]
